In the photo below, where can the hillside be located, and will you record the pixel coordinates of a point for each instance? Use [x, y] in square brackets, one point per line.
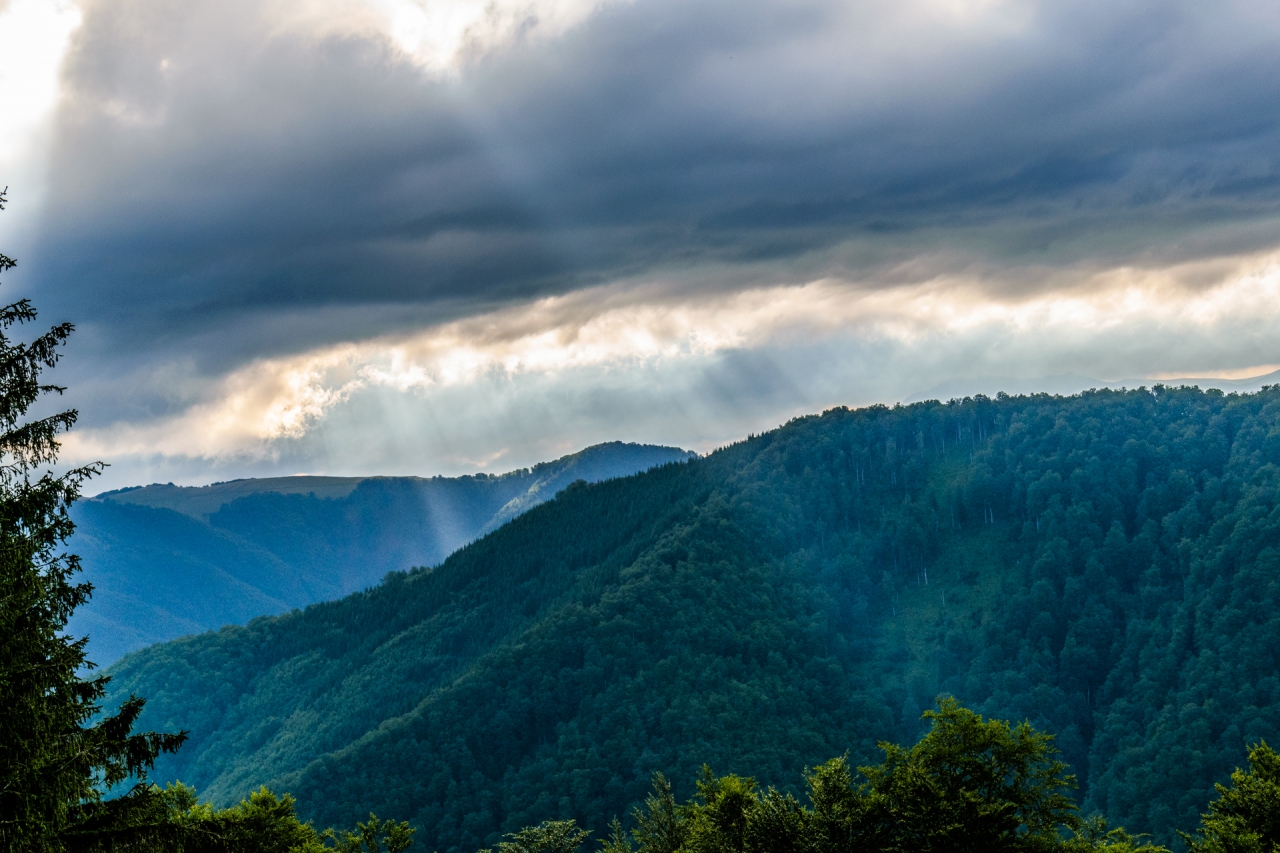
[171, 560]
[1105, 565]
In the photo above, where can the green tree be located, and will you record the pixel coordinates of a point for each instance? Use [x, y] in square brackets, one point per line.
[550, 836]
[1095, 836]
[617, 842]
[660, 825]
[55, 759]
[778, 823]
[1246, 816]
[838, 821]
[719, 823]
[970, 784]
[262, 823]
[374, 836]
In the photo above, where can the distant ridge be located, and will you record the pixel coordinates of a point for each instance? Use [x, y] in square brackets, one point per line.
[172, 560]
[1066, 384]
[203, 501]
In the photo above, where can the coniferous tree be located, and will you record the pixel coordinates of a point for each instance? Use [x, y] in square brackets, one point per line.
[56, 755]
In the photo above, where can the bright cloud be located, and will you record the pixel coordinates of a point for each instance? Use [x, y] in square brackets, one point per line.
[426, 235]
[439, 35]
[34, 35]
[623, 334]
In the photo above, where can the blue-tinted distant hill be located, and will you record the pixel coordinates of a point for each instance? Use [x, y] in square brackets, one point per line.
[168, 560]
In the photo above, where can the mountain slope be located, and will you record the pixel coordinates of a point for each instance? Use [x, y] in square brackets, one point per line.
[170, 560]
[158, 575]
[1104, 565]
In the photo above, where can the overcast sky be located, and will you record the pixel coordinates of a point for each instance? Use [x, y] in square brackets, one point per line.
[441, 236]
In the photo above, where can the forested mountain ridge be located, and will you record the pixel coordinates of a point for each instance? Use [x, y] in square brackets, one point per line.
[1105, 565]
[171, 560]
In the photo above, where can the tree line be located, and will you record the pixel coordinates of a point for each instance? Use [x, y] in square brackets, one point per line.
[968, 786]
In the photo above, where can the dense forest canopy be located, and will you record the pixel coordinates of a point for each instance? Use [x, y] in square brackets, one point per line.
[1103, 566]
[968, 786]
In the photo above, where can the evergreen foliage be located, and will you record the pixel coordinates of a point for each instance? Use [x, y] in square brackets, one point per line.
[56, 753]
[1104, 566]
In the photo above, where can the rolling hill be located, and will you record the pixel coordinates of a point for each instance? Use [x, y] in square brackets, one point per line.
[168, 560]
[1105, 565]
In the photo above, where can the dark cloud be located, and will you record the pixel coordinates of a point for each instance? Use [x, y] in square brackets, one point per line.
[223, 188]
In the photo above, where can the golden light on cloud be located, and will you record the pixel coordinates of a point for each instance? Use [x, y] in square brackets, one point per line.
[617, 329]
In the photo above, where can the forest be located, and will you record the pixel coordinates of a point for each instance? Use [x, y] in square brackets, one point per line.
[1101, 566]
[968, 786]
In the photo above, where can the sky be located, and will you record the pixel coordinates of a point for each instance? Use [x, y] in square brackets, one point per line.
[445, 236]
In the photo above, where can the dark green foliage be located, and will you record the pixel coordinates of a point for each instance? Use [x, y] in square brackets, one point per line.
[551, 836]
[1246, 816]
[660, 825]
[171, 560]
[1105, 566]
[55, 758]
[151, 820]
[374, 836]
[969, 786]
[261, 823]
[969, 783]
[720, 821]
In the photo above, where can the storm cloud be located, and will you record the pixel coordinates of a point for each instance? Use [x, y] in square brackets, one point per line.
[238, 185]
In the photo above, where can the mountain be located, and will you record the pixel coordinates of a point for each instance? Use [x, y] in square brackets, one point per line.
[169, 560]
[1105, 565]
